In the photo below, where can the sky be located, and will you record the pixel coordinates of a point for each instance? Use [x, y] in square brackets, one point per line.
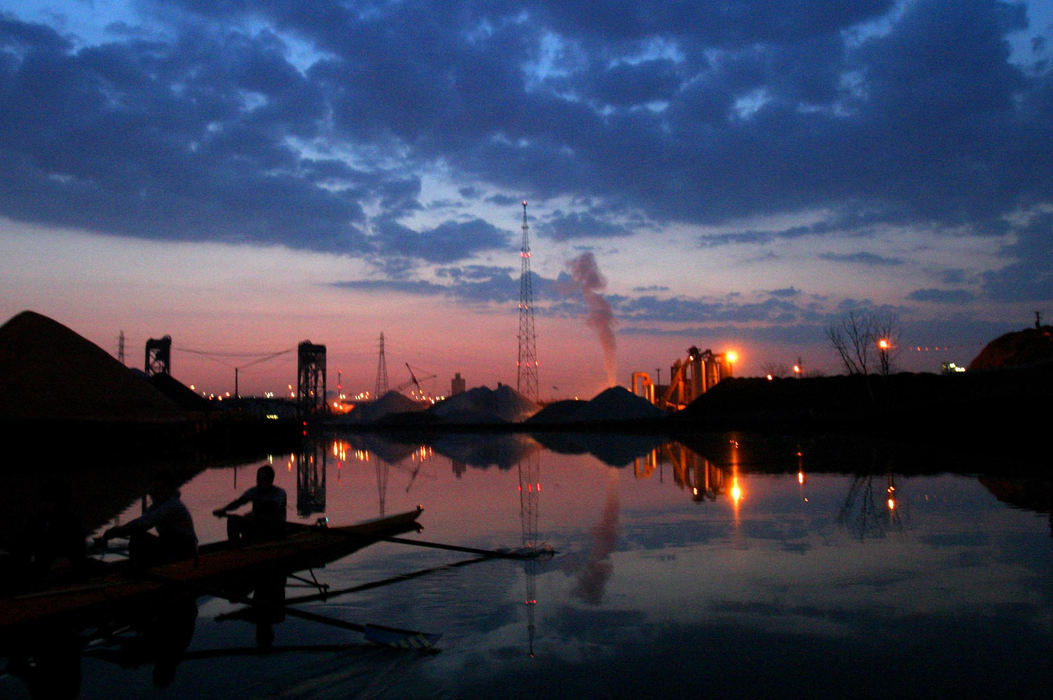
[243, 176]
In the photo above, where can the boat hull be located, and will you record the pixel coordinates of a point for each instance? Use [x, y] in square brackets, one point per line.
[218, 568]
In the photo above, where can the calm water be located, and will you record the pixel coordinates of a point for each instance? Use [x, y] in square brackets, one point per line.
[675, 575]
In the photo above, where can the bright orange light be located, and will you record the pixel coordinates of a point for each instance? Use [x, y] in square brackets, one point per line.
[732, 356]
[736, 493]
[800, 477]
[883, 344]
[892, 504]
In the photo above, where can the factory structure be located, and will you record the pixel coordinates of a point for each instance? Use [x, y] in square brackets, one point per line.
[690, 377]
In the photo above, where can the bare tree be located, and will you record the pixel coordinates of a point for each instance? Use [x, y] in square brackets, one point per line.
[775, 369]
[861, 337]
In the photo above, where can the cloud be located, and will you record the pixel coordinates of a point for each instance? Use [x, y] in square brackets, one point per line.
[861, 258]
[1029, 276]
[448, 242]
[414, 287]
[315, 127]
[477, 284]
[563, 226]
[942, 296]
[686, 310]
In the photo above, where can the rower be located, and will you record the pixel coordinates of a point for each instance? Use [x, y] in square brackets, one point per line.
[169, 517]
[266, 520]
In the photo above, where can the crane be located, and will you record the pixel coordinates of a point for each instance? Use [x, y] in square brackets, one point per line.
[415, 381]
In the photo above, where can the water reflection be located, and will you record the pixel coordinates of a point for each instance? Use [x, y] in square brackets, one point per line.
[597, 569]
[872, 507]
[766, 552]
[1028, 492]
[529, 506]
[310, 478]
[157, 640]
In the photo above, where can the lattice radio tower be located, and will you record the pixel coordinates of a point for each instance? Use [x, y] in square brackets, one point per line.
[526, 365]
[382, 372]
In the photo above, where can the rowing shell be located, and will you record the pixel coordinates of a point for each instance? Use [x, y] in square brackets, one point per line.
[217, 566]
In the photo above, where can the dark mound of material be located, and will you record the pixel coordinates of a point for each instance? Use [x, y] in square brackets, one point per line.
[1017, 349]
[614, 405]
[558, 412]
[50, 373]
[972, 406]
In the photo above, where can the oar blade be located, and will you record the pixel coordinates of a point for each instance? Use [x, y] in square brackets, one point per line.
[400, 639]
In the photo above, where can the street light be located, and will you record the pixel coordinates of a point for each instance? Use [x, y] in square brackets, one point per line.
[883, 347]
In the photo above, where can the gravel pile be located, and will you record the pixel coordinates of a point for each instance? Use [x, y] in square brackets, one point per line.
[616, 404]
[482, 405]
[48, 372]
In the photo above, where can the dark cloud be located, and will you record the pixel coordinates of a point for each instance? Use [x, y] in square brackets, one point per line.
[1029, 277]
[275, 122]
[415, 287]
[695, 311]
[477, 284]
[861, 258]
[942, 296]
[448, 242]
[563, 226]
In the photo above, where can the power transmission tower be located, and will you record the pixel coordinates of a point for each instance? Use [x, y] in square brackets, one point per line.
[526, 365]
[382, 372]
[120, 347]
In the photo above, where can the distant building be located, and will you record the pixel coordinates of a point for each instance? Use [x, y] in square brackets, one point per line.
[457, 385]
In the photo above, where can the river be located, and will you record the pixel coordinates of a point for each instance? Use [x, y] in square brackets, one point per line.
[673, 574]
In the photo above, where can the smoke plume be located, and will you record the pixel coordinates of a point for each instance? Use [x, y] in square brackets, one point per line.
[600, 316]
[593, 576]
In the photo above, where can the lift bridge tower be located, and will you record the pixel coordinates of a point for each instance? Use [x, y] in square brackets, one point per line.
[526, 364]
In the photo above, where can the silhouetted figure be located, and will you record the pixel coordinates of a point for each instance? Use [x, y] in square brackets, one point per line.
[266, 520]
[169, 517]
[53, 539]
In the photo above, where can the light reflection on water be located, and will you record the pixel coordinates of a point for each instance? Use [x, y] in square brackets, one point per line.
[676, 573]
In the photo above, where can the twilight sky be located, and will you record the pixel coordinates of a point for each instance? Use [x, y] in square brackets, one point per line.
[246, 175]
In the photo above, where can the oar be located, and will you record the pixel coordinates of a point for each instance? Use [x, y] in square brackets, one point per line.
[383, 582]
[521, 553]
[379, 634]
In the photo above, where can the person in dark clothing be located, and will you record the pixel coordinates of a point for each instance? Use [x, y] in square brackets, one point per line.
[53, 544]
[169, 517]
[266, 520]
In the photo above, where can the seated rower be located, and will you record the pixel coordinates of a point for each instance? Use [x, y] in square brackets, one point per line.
[175, 538]
[266, 520]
